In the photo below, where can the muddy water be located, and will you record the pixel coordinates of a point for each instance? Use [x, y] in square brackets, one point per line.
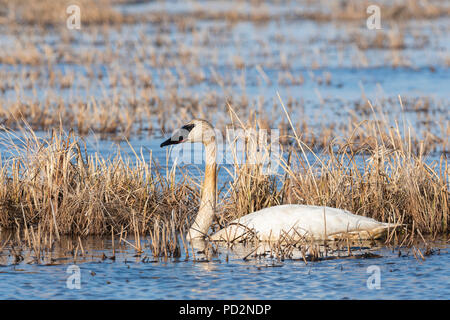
[223, 276]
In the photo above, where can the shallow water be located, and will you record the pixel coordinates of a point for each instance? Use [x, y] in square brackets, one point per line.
[227, 276]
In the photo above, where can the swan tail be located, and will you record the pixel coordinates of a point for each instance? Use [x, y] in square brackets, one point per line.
[375, 233]
[383, 230]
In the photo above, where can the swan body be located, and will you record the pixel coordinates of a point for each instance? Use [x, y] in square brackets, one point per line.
[300, 221]
[269, 224]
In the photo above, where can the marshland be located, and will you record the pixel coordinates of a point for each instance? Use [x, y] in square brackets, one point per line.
[341, 115]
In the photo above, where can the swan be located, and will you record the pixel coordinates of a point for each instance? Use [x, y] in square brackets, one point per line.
[269, 224]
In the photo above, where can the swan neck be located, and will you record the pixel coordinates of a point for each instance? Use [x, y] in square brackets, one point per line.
[205, 215]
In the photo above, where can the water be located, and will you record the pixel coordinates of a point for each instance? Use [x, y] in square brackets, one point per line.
[403, 277]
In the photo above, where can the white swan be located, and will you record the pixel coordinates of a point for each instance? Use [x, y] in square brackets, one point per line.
[268, 224]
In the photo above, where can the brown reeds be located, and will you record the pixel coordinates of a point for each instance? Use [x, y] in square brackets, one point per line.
[391, 182]
[122, 98]
[47, 13]
[53, 185]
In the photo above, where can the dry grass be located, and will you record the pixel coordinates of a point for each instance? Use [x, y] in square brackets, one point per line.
[112, 119]
[52, 185]
[111, 83]
[356, 10]
[393, 182]
[52, 13]
[46, 13]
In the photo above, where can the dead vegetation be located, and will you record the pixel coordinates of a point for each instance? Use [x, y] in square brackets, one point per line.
[100, 80]
[53, 185]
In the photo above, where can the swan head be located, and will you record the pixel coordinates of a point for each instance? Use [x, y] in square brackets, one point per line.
[197, 130]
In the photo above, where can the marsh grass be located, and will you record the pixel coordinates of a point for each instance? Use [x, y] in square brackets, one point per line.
[52, 13]
[119, 76]
[393, 182]
[48, 13]
[51, 187]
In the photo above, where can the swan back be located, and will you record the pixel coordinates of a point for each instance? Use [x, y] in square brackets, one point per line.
[299, 221]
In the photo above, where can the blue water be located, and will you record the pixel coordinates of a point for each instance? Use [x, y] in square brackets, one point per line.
[403, 277]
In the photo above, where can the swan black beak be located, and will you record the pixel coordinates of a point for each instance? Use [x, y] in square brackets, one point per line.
[171, 141]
